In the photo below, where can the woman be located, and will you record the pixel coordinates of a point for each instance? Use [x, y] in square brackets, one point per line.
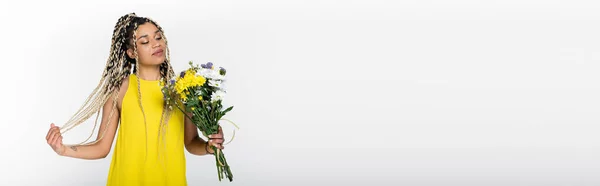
[151, 138]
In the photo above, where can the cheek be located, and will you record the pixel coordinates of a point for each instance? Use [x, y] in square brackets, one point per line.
[144, 51]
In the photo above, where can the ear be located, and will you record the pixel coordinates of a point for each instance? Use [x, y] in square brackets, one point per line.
[130, 53]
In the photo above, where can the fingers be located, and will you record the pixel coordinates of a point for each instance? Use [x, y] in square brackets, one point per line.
[217, 139]
[219, 146]
[51, 136]
[218, 134]
[55, 136]
[52, 130]
[57, 139]
[217, 142]
[215, 136]
[49, 131]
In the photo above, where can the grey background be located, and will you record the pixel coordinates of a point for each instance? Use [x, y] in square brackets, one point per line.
[326, 92]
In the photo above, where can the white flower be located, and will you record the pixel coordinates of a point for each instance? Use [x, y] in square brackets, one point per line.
[214, 74]
[218, 76]
[218, 95]
[214, 83]
[204, 72]
[210, 73]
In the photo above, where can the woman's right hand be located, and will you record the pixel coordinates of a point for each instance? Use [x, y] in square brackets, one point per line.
[54, 139]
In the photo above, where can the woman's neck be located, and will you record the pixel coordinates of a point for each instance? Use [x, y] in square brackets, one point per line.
[150, 73]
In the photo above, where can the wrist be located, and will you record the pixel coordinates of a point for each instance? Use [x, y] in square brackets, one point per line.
[63, 152]
[69, 150]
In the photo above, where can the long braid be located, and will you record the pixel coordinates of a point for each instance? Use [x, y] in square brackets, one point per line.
[118, 67]
[120, 58]
[106, 87]
[83, 110]
[139, 91]
[119, 74]
[166, 73]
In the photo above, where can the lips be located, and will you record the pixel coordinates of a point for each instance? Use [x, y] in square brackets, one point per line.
[158, 52]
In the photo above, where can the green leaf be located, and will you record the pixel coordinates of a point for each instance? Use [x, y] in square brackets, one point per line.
[227, 110]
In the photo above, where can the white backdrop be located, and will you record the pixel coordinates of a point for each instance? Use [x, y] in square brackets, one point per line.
[419, 93]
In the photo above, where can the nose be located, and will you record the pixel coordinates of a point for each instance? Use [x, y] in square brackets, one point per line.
[155, 44]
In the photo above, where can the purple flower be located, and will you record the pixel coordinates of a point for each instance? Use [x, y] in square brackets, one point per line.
[172, 81]
[182, 74]
[207, 65]
[222, 71]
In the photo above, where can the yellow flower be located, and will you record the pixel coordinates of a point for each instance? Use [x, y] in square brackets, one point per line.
[182, 85]
[200, 97]
[193, 108]
[184, 97]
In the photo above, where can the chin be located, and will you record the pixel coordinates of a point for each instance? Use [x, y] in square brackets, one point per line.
[158, 61]
[153, 60]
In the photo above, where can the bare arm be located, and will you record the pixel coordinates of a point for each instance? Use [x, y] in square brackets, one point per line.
[102, 147]
[93, 151]
[196, 145]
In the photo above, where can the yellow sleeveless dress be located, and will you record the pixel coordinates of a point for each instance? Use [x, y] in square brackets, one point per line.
[140, 159]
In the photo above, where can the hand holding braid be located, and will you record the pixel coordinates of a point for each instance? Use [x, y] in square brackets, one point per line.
[118, 67]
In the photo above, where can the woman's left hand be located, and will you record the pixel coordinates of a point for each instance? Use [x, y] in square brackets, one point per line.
[216, 139]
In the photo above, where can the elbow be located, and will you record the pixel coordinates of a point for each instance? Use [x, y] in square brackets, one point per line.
[188, 149]
[192, 149]
[103, 154]
[97, 156]
[188, 146]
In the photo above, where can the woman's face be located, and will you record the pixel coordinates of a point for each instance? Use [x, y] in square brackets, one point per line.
[150, 45]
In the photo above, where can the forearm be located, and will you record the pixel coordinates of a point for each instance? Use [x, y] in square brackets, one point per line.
[197, 146]
[89, 152]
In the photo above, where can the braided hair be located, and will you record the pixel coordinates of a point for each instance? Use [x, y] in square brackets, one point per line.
[118, 67]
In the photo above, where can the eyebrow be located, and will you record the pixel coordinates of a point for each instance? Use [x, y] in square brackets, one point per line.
[147, 34]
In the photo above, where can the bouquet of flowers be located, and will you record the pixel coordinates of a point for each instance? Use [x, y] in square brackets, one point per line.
[200, 91]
